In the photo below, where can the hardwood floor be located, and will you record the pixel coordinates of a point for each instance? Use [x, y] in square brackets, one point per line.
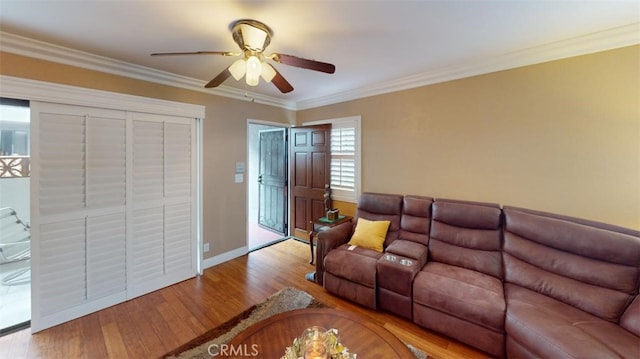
[151, 325]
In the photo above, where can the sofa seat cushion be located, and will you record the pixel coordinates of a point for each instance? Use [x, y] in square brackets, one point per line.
[357, 265]
[549, 328]
[472, 296]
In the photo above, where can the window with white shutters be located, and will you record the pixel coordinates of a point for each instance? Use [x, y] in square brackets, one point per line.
[343, 162]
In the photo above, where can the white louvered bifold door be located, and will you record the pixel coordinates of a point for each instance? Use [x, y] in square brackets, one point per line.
[78, 227]
[115, 207]
[162, 221]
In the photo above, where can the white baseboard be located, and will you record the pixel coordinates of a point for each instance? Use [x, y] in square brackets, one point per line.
[224, 257]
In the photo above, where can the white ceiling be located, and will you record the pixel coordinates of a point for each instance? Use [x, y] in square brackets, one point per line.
[376, 46]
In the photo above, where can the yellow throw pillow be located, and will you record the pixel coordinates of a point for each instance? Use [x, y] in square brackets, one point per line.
[370, 234]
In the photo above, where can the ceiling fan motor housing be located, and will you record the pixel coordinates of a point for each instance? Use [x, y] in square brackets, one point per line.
[251, 35]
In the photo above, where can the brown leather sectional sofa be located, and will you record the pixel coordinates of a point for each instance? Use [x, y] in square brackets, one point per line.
[509, 281]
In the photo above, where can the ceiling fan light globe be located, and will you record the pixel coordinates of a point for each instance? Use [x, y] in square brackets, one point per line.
[238, 69]
[254, 69]
[268, 72]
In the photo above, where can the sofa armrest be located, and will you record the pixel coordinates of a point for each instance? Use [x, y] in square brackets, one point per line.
[631, 318]
[329, 240]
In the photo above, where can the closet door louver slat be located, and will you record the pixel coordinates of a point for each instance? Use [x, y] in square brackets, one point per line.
[62, 168]
[177, 235]
[106, 163]
[62, 248]
[148, 161]
[106, 256]
[148, 246]
[178, 161]
[178, 216]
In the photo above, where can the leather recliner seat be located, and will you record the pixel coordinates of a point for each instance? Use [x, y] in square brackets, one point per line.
[351, 272]
[459, 291]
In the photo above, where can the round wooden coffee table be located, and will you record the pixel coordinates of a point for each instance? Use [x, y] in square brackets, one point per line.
[270, 337]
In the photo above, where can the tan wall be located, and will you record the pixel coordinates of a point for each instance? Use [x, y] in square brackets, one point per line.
[224, 138]
[346, 208]
[563, 137]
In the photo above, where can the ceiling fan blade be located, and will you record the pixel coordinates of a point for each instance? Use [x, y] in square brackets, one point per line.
[219, 79]
[283, 85]
[303, 63]
[222, 53]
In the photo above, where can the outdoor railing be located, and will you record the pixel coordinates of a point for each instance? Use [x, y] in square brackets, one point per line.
[14, 166]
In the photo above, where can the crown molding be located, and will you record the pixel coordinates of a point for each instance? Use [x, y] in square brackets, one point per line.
[618, 37]
[622, 36]
[49, 52]
[34, 90]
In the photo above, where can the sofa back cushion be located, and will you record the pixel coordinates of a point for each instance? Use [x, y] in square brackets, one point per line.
[416, 219]
[381, 207]
[468, 235]
[588, 265]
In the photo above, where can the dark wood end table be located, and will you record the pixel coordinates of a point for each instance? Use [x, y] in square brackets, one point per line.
[322, 224]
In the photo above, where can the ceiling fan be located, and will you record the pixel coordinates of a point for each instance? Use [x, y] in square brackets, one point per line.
[253, 37]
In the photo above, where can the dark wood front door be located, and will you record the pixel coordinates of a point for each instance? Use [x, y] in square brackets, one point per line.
[310, 170]
[272, 190]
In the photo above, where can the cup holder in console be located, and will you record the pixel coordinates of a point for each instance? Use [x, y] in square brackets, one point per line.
[402, 261]
[406, 262]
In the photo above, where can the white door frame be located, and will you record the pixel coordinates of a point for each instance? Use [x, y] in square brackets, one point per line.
[267, 123]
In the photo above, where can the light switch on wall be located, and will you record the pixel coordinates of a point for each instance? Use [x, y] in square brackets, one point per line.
[239, 178]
